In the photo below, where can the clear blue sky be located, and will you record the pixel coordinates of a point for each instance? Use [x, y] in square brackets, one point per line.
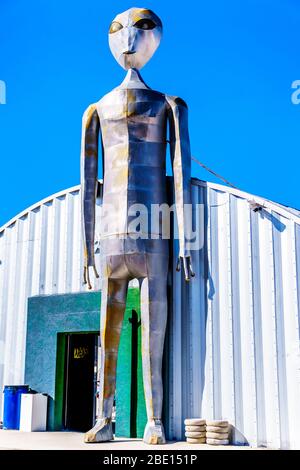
[232, 61]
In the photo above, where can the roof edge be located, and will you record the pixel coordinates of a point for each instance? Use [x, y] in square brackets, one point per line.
[273, 206]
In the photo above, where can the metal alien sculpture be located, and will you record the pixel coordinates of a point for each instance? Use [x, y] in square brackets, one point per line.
[132, 121]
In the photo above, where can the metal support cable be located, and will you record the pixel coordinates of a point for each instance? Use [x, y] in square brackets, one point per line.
[214, 173]
[255, 206]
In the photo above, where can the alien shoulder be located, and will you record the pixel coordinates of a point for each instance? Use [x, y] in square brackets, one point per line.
[88, 114]
[174, 101]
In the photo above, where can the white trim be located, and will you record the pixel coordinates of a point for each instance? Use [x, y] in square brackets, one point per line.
[40, 203]
[272, 206]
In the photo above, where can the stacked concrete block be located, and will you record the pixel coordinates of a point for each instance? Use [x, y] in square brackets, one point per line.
[217, 432]
[195, 431]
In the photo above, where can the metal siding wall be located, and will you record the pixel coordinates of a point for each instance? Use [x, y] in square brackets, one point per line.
[207, 350]
[3, 287]
[242, 311]
[11, 312]
[197, 330]
[233, 332]
[259, 415]
[290, 354]
[40, 253]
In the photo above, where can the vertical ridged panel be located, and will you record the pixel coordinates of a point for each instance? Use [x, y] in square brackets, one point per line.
[290, 356]
[13, 234]
[207, 351]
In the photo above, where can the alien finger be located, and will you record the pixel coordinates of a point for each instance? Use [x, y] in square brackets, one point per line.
[88, 279]
[84, 275]
[95, 271]
[192, 272]
[186, 271]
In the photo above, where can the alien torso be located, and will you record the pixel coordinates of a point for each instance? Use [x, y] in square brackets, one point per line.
[133, 123]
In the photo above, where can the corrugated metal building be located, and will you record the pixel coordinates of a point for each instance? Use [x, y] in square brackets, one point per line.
[232, 347]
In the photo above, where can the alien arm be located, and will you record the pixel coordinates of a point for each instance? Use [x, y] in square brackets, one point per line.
[89, 182]
[181, 163]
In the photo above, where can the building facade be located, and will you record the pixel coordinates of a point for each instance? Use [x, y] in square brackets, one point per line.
[232, 347]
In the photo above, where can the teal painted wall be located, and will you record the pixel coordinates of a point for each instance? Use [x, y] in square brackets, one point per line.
[49, 319]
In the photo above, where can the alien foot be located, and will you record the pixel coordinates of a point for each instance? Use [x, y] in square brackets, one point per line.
[154, 432]
[101, 432]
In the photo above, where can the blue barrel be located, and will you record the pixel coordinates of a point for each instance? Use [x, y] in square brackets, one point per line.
[12, 405]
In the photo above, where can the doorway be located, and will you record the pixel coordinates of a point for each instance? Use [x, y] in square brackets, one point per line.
[80, 386]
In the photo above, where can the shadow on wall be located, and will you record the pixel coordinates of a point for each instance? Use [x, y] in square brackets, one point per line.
[278, 225]
[237, 436]
[210, 278]
[212, 301]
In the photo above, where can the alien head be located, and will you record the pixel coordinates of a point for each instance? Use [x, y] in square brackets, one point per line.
[134, 36]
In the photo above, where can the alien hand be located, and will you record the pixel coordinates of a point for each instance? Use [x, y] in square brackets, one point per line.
[86, 275]
[187, 266]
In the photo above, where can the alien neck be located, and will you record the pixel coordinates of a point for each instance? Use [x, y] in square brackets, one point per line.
[133, 80]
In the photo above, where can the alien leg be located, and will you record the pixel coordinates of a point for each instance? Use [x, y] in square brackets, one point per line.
[154, 319]
[113, 303]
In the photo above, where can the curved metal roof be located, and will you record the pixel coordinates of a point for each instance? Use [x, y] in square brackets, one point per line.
[285, 211]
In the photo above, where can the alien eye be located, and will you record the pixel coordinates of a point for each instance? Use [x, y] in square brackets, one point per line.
[145, 24]
[114, 27]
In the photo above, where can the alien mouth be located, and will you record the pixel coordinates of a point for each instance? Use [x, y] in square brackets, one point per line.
[128, 52]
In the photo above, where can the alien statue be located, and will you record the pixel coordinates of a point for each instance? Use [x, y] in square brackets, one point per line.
[132, 121]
